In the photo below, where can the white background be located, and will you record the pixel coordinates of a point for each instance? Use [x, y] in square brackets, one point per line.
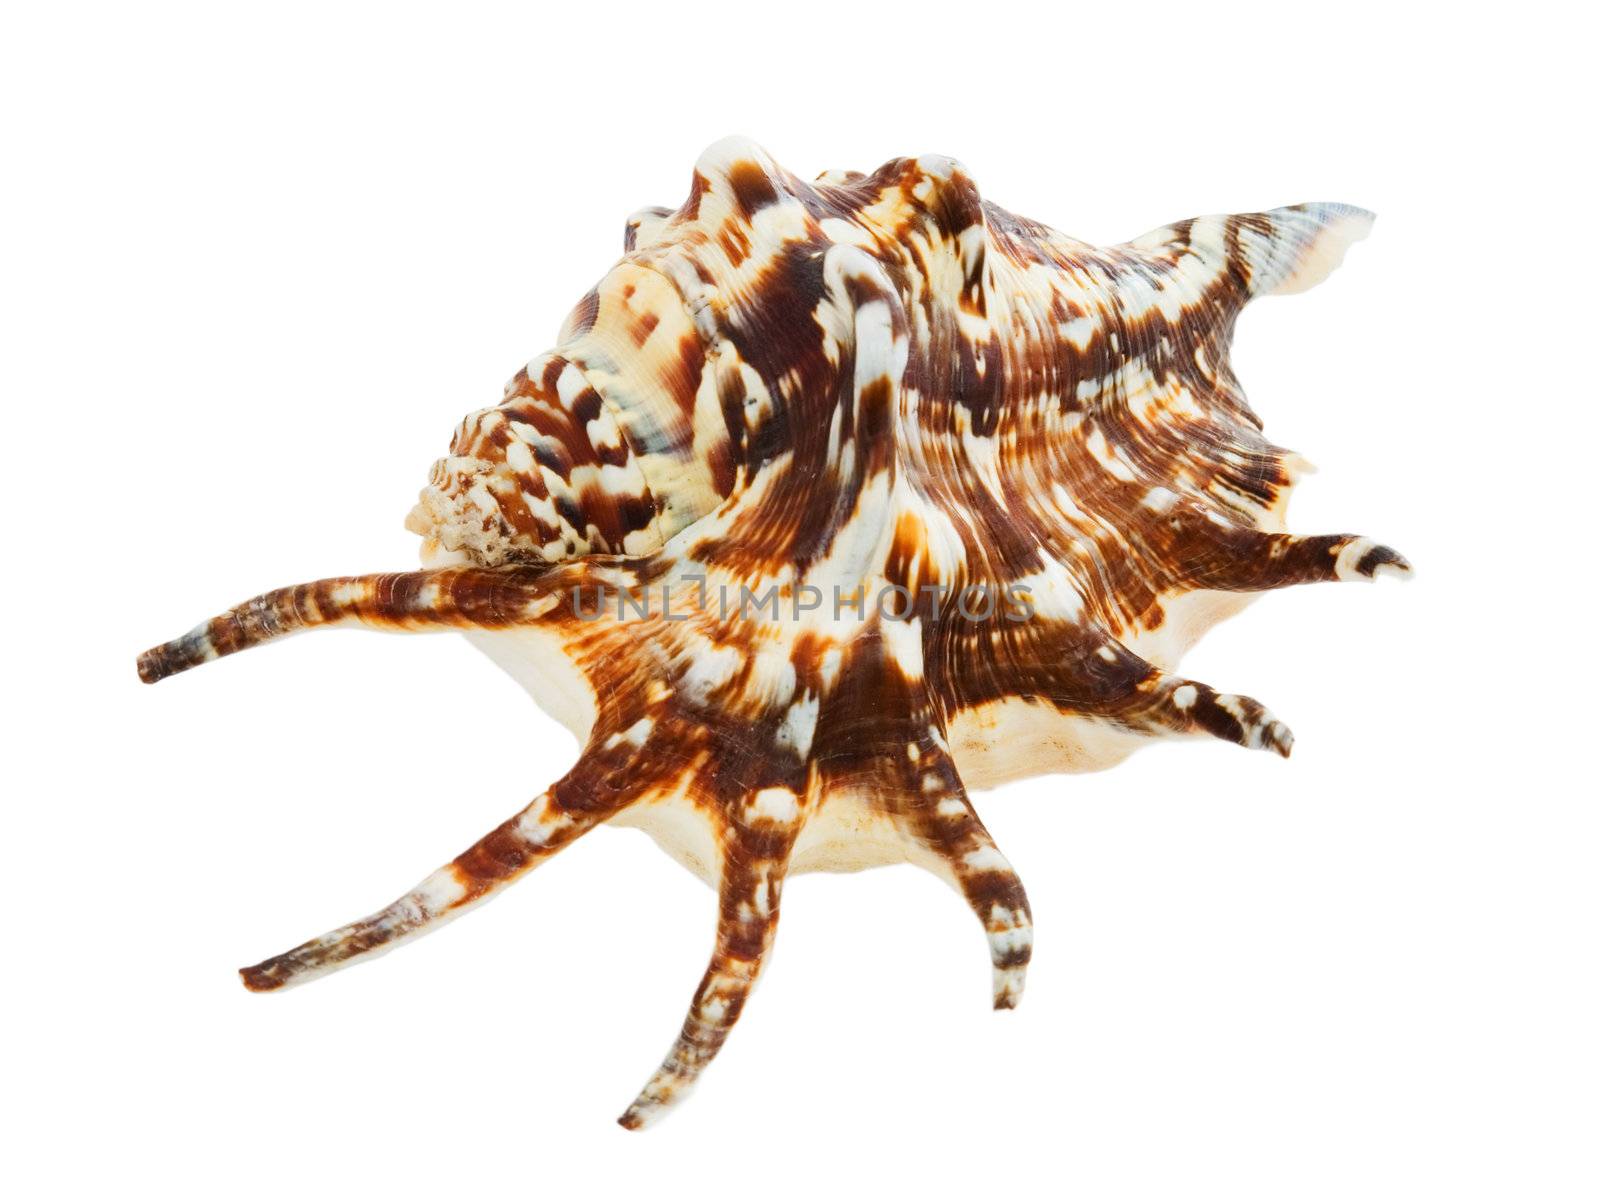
[258, 262]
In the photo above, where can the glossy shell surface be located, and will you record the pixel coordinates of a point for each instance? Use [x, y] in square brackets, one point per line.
[834, 500]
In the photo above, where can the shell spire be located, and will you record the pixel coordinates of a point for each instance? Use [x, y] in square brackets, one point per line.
[833, 502]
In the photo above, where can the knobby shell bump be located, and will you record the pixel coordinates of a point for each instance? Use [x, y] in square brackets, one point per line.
[858, 401]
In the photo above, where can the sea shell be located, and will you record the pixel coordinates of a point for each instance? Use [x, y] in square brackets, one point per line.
[834, 500]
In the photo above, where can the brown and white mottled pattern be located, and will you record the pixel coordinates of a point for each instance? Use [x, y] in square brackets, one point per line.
[900, 493]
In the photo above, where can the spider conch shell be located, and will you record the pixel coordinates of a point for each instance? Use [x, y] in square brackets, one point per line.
[835, 500]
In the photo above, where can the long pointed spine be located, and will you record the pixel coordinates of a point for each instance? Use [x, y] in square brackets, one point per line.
[423, 600]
